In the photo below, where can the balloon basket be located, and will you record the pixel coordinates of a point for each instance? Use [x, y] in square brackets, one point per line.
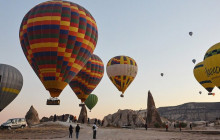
[121, 95]
[81, 105]
[53, 101]
[211, 93]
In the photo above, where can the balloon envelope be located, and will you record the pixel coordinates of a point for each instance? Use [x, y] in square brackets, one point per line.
[88, 78]
[161, 74]
[121, 71]
[194, 61]
[58, 38]
[201, 77]
[91, 101]
[190, 33]
[11, 82]
[212, 64]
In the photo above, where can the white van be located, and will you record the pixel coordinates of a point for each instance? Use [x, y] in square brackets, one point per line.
[14, 123]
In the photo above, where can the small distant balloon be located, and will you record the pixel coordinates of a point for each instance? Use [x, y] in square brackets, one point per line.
[161, 74]
[200, 92]
[194, 61]
[190, 33]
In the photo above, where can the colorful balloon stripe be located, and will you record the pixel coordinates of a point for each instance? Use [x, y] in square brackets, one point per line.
[58, 38]
[88, 78]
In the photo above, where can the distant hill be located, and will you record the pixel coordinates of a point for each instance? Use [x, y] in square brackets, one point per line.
[192, 111]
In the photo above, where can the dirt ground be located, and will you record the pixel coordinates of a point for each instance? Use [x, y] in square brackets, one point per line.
[60, 131]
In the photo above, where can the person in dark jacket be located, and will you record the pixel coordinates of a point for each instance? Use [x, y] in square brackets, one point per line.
[77, 131]
[70, 131]
[63, 117]
[145, 126]
[55, 117]
[88, 120]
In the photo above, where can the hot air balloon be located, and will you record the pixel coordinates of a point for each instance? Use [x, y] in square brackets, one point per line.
[91, 101]
[190, 33]
[58, 38]
[161, 74]
[194, 61]
[212, 64]
[201, 77]
[88, 78]
[11, 82]
[121, 71]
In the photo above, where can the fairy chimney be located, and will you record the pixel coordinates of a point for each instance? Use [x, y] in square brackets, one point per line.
[32, 117]
[153, 117]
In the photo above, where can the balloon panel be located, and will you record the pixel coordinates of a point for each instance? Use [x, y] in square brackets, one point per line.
[212, 64]
[88, 78]
[201, 77]
[58, 38]
[10, 84]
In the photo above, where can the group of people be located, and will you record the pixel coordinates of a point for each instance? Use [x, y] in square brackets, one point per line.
[180, 126]
[77, 129]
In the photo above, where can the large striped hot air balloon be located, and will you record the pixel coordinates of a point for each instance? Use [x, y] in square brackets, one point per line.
[121, 70]
[91, 101]
[88, 78]
[201, 77]
[11, 82]
[58, 37]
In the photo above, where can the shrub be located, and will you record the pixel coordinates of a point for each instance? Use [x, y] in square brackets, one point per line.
[183, 125]
[157, 125]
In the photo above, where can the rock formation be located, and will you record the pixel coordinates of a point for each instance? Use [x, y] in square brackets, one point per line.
[83, 115]
[32, 117]
[153, 116]
[203, 111]
[59, 118]
[124, 118]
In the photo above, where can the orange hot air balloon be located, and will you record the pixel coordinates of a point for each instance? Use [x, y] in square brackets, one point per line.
[58, 38]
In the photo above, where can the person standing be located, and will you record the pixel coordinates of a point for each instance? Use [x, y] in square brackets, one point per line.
[190, 126]
[145, 126]
[166, 126]
[55, 117]
[63, 117]
[180, 126]
[94, 127]
[88, 120]
[70, 131]
[77, 131]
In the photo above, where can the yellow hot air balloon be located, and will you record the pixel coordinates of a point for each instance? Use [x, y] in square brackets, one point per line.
[212, 64]
[121, 71]
[201, 77]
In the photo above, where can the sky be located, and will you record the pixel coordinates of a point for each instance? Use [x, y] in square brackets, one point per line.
[155, 33]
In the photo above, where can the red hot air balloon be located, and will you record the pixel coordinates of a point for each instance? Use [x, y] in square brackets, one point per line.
[58, 38]
[88, 78]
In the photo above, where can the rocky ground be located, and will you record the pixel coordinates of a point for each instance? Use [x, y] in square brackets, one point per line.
[59, 130]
